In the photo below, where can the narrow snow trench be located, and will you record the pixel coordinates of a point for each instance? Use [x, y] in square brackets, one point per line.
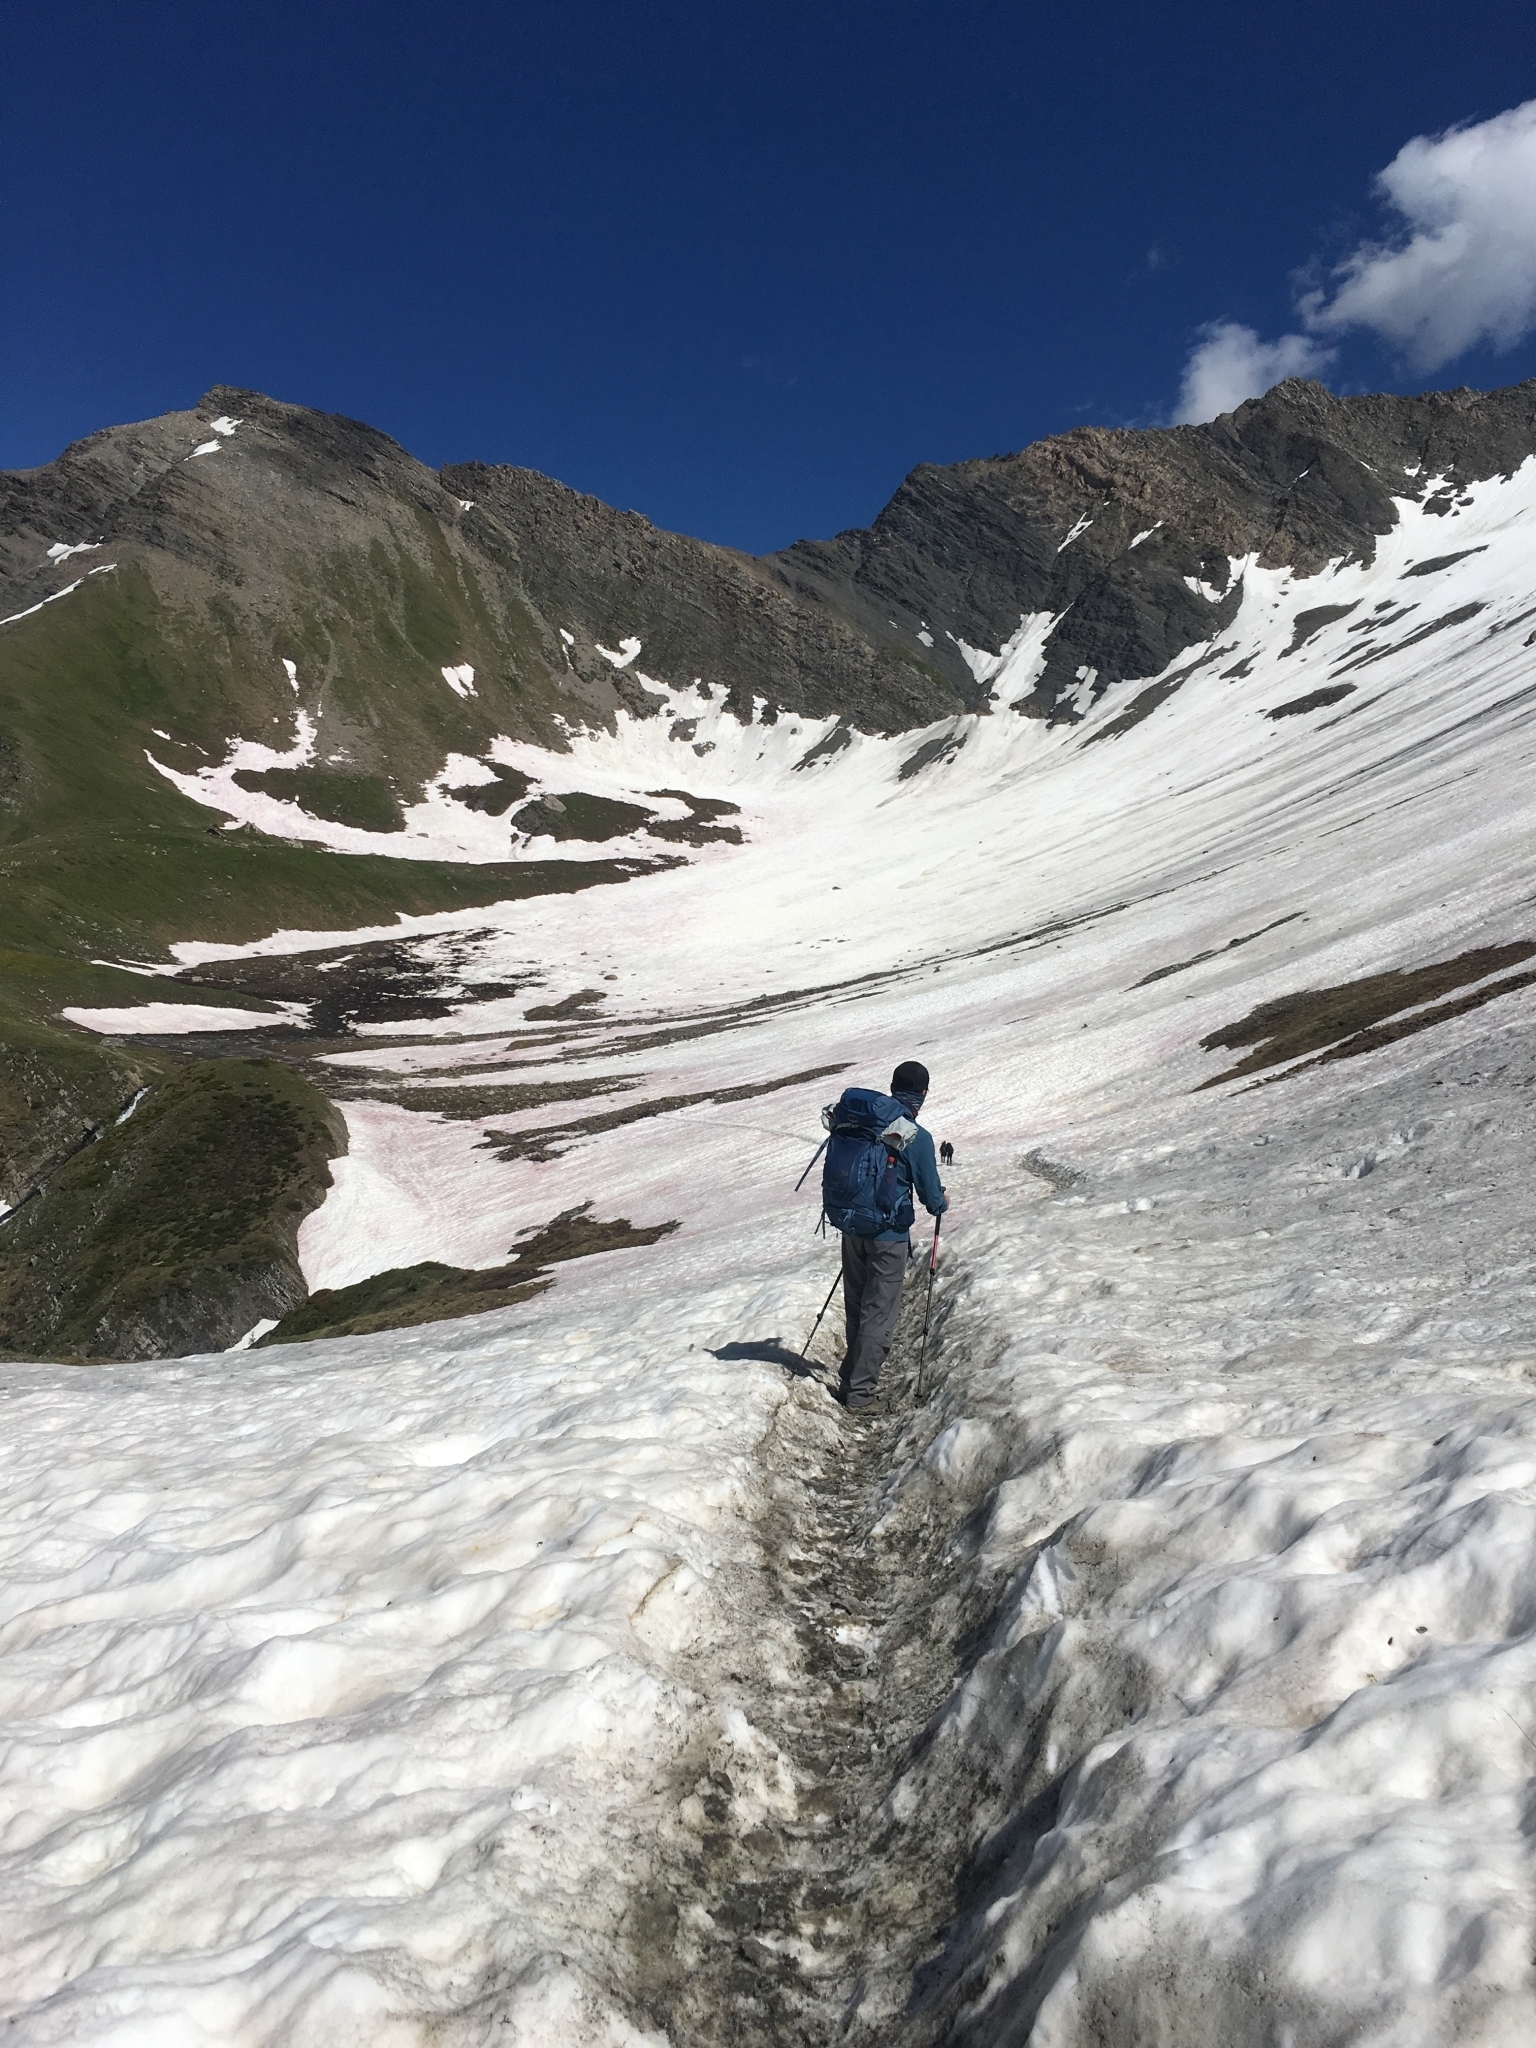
[790, 1905]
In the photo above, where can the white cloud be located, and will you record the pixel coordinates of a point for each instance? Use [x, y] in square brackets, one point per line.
[1231, 363]
[1462, 270]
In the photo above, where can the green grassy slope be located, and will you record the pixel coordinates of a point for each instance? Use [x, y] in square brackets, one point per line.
[102, 859]
[177, 1230]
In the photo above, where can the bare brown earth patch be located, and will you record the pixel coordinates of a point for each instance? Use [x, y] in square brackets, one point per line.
[477, 1101]
[577, 815]
[1232, 945]
[1359, 1016]
[702, 826]
[1315, 700]
[550, 1140]
[496, 798]
[433, 1293]
[577, 1005]
[383, 981]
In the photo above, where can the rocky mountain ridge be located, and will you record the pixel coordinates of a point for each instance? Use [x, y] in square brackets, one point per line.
[1128, 533]
[331, 539]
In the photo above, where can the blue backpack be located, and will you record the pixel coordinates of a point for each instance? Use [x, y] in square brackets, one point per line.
[865, 1187]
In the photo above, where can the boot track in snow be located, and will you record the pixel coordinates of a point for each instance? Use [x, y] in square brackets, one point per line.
[810, 1923]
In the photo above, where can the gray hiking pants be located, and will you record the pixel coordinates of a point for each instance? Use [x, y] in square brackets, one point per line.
[873, 1270]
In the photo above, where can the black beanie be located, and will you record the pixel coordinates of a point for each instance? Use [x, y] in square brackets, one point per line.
[910, 1078]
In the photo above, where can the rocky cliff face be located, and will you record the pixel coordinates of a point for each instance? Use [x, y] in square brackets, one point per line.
[1117, 531]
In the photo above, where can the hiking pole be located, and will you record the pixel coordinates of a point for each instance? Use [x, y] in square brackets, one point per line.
[800, 1183]
[824, 1307]
[933, 1267]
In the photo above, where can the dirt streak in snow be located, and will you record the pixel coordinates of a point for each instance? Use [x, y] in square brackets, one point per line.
[801, 1919]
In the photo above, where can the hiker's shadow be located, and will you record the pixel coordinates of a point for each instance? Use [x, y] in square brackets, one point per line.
[772, 1352]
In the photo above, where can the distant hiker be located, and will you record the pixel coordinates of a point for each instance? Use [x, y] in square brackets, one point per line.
[947, 1153]
[877, 1156]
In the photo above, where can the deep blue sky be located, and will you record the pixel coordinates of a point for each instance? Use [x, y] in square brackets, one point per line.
[740, 268]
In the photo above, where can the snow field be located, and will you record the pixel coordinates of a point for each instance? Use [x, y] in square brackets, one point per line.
[340, 1684]
[105, 569]
[137, 1019]
[1262, 1452]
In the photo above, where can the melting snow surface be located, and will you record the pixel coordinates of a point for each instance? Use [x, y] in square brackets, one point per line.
[207, 448]
[63, 549]
[1081, 527]
[255, 1333]
[344, 1683]
[166, 1018]
[217, 788]
[53, 599]
[460, 679]
[401, 1663]
[628, 649]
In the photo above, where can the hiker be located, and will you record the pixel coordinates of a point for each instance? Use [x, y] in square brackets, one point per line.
[877, 1157]
[947, 1153]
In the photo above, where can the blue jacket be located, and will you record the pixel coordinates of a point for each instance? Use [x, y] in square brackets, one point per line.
[920, 1170]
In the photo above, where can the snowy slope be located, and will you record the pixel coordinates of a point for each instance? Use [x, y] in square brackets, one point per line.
[356, 1691]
